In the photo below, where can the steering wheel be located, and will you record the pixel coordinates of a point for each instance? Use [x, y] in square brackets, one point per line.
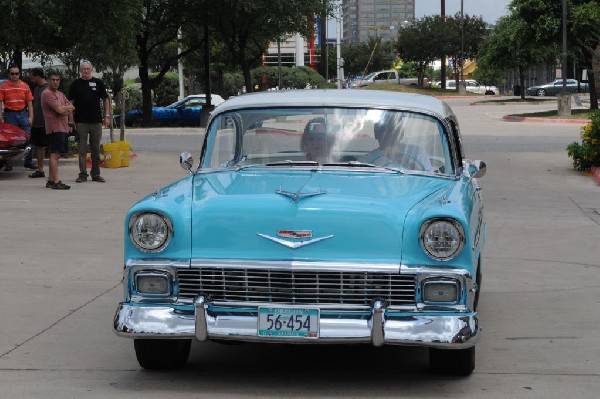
[438, 163]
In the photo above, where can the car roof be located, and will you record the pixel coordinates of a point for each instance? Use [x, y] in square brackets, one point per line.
[339, 98]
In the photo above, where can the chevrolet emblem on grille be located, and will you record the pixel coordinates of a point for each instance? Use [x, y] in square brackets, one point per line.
[295, 233]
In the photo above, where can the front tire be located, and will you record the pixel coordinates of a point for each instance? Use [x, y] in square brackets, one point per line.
[452, 361]
[541, 92]
[162, 354]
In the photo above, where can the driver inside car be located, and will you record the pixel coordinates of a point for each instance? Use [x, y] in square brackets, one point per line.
[392, 150]
[317, 141]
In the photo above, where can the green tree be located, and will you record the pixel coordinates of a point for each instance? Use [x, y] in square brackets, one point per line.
[415, 43]
[159, 24]
[370, 56]
[247, 27]
[544, 19]
[512, 45]
[462, 39]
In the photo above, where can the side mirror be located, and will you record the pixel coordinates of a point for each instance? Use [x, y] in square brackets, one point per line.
[186, 161]
[477, 169]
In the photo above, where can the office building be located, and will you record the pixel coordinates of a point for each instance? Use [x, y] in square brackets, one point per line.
[379, 18]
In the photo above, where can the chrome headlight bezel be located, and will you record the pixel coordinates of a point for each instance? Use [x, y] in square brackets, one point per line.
[431, 283]
[164, 230]
[448, 227]
[153, 274]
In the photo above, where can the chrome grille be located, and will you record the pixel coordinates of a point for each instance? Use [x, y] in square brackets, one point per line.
[296, 287]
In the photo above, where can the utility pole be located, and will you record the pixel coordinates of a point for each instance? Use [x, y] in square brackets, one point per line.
[564, 98]
[462, 89]
[564, 45]
[443, 66]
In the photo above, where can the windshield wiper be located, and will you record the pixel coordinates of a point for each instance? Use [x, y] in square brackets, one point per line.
[288, 162]
[356, 164]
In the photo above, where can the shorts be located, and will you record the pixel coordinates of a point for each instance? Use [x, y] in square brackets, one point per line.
[57, 142]
[38, 138]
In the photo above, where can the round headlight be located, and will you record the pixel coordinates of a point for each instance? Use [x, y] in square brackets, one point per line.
[442, 238]
[150, 232]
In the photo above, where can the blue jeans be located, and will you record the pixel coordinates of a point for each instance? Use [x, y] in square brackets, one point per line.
[20, 119]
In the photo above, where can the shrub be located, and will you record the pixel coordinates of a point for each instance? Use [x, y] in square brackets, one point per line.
[231, 84]
[167, 91]
[133, 96]
[291, 78]
[587, 154]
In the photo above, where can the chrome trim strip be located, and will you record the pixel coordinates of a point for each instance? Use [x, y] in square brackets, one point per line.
[434, 271]
[296, 265]
[293, 244]
[444, 331]
[157, 263]
[299, 265]
[297, 196]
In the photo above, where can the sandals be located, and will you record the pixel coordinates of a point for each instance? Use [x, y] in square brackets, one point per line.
[37, 173]
[57, 186]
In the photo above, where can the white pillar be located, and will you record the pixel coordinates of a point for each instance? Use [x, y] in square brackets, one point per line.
[299, 50]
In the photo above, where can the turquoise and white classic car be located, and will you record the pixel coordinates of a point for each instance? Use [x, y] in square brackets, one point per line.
[314, 216]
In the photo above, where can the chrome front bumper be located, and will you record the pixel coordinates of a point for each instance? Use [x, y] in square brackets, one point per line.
[381, 327]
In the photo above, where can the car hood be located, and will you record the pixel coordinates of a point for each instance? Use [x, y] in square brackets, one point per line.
[305, 215]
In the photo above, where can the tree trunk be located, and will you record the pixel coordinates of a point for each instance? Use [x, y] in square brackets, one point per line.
[146, 94]
[247, 77]
[522, 81]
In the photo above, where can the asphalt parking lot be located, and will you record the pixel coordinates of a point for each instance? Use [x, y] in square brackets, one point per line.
[61, 262]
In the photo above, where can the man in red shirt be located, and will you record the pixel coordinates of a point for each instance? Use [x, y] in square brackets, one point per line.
[58, 111]
[16, 103]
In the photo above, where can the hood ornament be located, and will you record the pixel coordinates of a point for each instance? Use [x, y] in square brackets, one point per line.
[297, 196]
[294, 234]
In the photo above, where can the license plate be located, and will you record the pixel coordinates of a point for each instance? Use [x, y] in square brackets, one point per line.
[288, 322]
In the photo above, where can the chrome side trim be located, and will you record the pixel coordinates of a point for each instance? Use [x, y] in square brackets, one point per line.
[299, 265]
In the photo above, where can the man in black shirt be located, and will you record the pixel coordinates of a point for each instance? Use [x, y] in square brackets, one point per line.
[88, 94]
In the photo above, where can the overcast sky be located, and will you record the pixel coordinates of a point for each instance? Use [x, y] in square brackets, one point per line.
[489, 10]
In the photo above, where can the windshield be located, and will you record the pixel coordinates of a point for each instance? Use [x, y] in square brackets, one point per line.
[328, 137]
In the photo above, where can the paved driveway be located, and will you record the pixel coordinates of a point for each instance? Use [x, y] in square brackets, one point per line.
[61, 260]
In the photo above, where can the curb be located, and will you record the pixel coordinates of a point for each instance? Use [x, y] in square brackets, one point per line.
[514, 118]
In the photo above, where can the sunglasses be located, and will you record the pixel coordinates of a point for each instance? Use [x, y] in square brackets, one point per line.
[15, 73]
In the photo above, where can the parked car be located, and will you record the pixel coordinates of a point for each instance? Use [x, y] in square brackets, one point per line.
[184, 112]
[13, 143]
[297, 227]
[555, 87]
[389, 76]
[472, 86]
